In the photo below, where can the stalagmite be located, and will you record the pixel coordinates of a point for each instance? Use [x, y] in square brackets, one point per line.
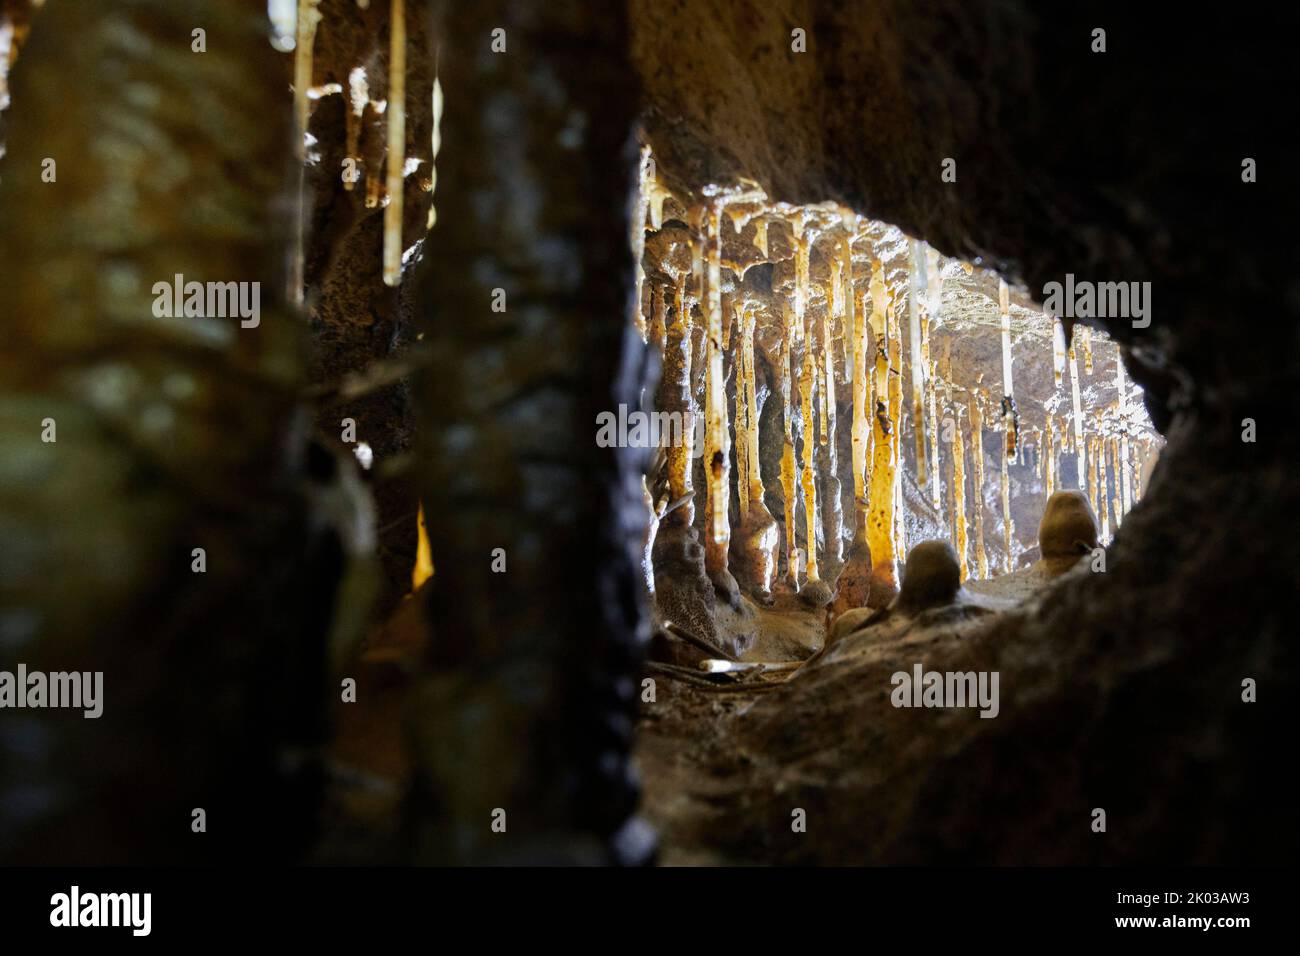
[1124, 466]
[977, 458]
[1058, 350]
[918, 361]
[397, 144]
[1008, 529]
[880, 528]
[716, 462]
[959, 488]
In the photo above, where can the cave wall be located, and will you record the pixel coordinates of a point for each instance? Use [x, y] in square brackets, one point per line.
[1122, 689]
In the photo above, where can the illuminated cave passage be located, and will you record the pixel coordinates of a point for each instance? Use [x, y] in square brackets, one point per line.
[438, 583]
[809, 305]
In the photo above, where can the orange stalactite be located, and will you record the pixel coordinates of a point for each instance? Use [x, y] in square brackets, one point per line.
[423, 569]
[788, 466]
[880, 526]
[677, 372]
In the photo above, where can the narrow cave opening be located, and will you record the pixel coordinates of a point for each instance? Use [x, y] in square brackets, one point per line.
[834, 392]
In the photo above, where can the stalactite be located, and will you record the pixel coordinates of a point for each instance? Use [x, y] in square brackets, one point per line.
[423, 569]
[677, 372]
[358, 99]
[754, 547]
[1049, 446]
[1103, 489]
[919, 285]
[397, 144]
[717, 464]
[1079, 444]
[1085, 335]
[844, 262]
[435, 144]
[959, 488]
[657, 309]
[931, 392]
[977, 458]
[1117, 472]
[880, 529]
[853, 586]
[1126, 490]
[638, 239]
[825, 368]
[1092, 474]
[934, 297]
[788, 466]
[861, 425]
[1058, 350]
[760, 237]
[895, 327]
[1038, 452]
[806, 409]
[1138, 464]
[741, 419]
[1010, 418]
[832, 517]
[309, 18]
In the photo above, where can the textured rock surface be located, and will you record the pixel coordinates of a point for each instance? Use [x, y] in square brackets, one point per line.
[1119, 690]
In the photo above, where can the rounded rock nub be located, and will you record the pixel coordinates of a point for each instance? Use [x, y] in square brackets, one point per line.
[931, 577]
[1068, 528]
